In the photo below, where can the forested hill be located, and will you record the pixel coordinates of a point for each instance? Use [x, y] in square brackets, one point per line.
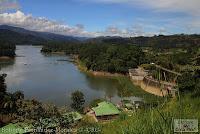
[11, 36]
[161, 41]
[14, 38]
[18, 35]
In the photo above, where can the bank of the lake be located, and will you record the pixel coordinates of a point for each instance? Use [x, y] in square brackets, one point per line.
[52, 78]
[81, 66]
[126, 83]
[6, 58]
[127, 87]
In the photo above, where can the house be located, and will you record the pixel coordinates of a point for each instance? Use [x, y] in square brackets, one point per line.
[105, 111]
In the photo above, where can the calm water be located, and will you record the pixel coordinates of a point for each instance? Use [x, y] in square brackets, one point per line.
[47, 79]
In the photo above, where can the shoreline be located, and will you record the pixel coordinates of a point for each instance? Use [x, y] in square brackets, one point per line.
[82, 68]
[6, 58]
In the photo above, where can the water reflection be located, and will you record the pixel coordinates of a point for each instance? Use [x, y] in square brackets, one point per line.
[6, 62]
[48, 79]
[108, 85]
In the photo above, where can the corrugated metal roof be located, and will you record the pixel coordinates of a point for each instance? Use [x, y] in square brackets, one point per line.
[105, 108]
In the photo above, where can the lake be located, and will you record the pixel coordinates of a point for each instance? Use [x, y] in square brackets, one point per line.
[50, 78]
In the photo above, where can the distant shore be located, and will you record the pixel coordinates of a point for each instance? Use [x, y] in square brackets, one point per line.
[82, 67]
[6, 58]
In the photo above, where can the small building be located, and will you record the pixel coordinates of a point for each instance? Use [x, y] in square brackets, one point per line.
[105, 111]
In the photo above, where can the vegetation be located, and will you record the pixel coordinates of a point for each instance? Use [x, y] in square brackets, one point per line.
[6, 48]
[111, 58]
[102, 57]
[17, 38]
[77, 101]
[157, 42]
[155, 120]
[13, 106]
[128, 89]
[178, 53]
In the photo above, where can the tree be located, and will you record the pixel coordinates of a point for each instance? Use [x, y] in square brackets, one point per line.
[186, 82]
[2, 83]
[78, 101]
[2, 91]
[66, 121]
[18, 95]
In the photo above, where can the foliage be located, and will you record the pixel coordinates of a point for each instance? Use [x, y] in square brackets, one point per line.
[53, 122]
[9, 101]
[102, 57]
[6, 48]
[95, 102]
[157, 42]
[30, 109]
[123, 116]
[186, 82]
[88, 126]
[111, 58]
[2, 83]
[66, 121]
[157, 120]
[127, 89]
[78, 100]
[17, 38]
[50, 110]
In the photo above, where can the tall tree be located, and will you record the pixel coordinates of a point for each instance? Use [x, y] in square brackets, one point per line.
[77, 100]
[2, 90]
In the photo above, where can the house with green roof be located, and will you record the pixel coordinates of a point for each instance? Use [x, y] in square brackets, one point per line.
[105, 110]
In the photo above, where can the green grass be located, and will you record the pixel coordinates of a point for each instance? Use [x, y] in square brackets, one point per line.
[126, 86]
[129, 89]
[156, 120]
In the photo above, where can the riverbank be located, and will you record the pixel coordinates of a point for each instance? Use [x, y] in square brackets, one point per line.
[6, 58]
[150, 91]
[128, 87]
[83, 68]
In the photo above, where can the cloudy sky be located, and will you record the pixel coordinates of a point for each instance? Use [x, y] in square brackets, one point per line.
[103, 17]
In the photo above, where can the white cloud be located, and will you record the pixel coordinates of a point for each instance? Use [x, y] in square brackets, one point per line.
[41, 24]
[188, 17]
[131, 31]
[6, 5]
[140, 28]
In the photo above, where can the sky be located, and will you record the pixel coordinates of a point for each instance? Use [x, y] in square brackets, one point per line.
[91, 18]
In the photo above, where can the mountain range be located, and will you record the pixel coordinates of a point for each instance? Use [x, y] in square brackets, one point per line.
[20, 35]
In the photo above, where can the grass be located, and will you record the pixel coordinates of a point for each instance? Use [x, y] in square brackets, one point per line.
[127, 88]
[157, 120]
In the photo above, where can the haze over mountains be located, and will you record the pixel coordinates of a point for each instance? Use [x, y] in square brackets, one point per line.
[16, 35]
[21, 35]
